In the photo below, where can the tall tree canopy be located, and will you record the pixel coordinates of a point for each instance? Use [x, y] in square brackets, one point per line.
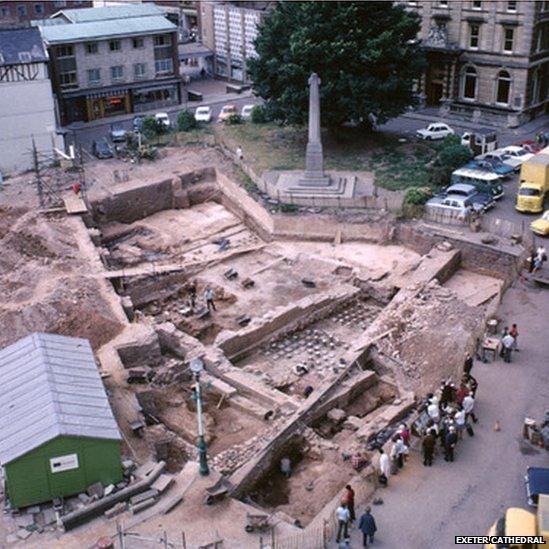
[366, 54]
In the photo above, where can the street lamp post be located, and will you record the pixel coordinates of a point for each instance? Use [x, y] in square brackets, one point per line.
[196, 367]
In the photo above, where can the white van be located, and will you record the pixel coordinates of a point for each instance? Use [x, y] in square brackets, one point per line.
[484, 182]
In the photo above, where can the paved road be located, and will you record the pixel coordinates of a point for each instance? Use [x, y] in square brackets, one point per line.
[87, 134]
[425, 507]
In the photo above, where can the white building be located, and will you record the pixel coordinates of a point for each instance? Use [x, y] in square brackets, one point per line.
[230, 31]
[26, 100]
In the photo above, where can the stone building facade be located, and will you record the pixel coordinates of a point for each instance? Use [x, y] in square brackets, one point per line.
[113, 60]
[488, 61]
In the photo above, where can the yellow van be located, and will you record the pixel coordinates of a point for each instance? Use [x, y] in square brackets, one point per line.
[518, 522]
[534, 183]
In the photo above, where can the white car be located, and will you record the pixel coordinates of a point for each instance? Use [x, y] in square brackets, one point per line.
[203, 114]
[514, 158]
[436, 130]
[246, 112]
[517, 153]
[163, 118]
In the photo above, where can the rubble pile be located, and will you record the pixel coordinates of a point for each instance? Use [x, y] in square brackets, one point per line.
[428, 334]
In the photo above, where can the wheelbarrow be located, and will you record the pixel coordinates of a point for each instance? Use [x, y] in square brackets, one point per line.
[256, 523]
[217, 492]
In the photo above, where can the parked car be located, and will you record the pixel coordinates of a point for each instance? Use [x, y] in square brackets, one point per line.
[518, 154]
[537, 483]
[502, 157]
[246, 111]
[117, 133]
[226, 112]
[485, 201]
[203, 114]
[541, 226]
[454, 203]
[490, 165]
[436, 130]
[531, 146]
[163, 118]
[138, 123]
[102, 149]
[484, 182]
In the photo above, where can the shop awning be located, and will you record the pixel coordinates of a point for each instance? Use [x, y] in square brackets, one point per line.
[107, 93]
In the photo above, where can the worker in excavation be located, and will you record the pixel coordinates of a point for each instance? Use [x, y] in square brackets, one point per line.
[286, 466]
[209, 296]
[191, 290]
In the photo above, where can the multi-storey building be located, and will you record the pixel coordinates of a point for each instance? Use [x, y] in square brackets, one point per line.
[487, 59]
[26, 102]
[113, 60]
[229, 29]
[18, 13]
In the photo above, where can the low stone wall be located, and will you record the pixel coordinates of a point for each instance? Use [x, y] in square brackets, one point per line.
[500, 260]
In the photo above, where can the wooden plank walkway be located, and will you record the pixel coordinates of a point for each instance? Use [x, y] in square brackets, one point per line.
[74, 204]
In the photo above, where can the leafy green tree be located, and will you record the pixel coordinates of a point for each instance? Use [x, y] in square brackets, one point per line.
[233, 120]
[259, 115]
[450, 157]
[186, 121]
[366, 54]
[152, 127]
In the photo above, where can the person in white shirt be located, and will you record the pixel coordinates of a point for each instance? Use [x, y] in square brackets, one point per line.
[398, 450]
[384, 465]
[459, 418]
[468, 405]
[343, 515]
[433, 411]
[508, 342]
[209, 297]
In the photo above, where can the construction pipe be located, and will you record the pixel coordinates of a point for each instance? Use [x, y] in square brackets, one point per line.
[97, 507]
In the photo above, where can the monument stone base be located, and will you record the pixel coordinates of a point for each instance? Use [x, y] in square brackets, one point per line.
[344, 188]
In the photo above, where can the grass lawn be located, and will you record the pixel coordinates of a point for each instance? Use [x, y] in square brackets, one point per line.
[271, 147]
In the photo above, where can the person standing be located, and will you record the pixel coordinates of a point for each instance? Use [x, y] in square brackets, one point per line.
[507, 342]
[367, 526]
[191, 290]
[349, 500]
[468, 364]
[514, 332]
[343, 516]
[433, 410]
[286, 466]
[502, 350]
[459, 418]
[239, 153]
[209, 296]
[397, 452]
[450, 441]
[428, 445]
[384, 467]
[468, 405]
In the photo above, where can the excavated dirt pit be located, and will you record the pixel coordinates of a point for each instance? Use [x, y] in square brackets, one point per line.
[175, 408]
[305, 357]
[318, 474]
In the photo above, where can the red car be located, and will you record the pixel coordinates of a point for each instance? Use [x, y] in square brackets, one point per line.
[531, 146]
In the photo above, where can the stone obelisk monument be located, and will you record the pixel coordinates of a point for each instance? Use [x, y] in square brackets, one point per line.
[314, 172]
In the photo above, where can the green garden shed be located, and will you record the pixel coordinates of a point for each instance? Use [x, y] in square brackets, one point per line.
[58, 434]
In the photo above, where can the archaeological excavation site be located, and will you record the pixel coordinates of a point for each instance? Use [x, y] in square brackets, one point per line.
[329, 328]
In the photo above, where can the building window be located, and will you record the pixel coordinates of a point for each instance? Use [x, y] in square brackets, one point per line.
[163, 66]
[60, 3]
[474, 36]
[117, 73]
[477, 4]
[512, 6]
[508, 39]
[21, 10]
[138, 43]
[68, 79]
[91, 48]
[443, 3]
[469, 83]
[65, 51]
[162, 40]
[503, 90]
[140, 71]
[115, 45]
[38, 9]
[5, 11]
[94, 77]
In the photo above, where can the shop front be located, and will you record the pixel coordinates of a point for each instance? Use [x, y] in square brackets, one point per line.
[155, 97]
[105, 104]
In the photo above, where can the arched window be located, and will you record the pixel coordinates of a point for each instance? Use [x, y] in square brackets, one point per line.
[469, 83]
[503, 88]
